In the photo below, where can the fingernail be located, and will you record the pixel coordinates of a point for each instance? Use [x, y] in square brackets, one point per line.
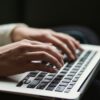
[73, 57]
[59, 66]
[62, 61]
[81, 49]
[52, 70]
[55, 69]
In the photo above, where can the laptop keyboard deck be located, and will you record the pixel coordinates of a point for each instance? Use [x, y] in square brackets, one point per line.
[62, 81]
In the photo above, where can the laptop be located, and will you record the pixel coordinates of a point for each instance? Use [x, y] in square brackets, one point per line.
[69, 83]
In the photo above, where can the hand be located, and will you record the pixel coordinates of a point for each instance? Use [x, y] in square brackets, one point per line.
[19, 57]
[65, 43]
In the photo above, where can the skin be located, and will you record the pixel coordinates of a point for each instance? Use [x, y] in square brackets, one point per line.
[64, 42]
[31, 44]
[17, 57]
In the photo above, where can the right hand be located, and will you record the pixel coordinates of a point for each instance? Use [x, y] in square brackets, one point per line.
[17, 57]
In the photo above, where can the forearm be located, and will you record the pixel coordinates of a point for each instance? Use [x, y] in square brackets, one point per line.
[5, 32]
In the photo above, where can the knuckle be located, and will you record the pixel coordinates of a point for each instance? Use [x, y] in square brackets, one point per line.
[43, 54]
[48, 48]
[52, 49]
[44, 35]
[23, 46]
[64, 46]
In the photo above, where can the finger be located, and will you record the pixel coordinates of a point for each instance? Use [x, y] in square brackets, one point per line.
[43, 56]
[33, 42]
[62, 46]
[47, 48]
[67, 41]
[30, 46]
[77, 44]
[51, 50]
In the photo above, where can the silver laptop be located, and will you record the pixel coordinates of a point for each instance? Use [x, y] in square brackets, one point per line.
[68, 83]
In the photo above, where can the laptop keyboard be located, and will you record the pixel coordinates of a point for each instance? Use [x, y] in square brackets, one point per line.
[63, 80]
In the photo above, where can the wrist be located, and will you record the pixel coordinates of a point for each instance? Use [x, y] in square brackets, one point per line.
[16, 32]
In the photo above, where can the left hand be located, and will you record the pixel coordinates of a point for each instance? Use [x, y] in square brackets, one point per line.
[64, 42]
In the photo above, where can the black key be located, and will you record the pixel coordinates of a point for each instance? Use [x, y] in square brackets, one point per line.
[28, 80]
[63, 72]
[67, 90]
[77, 76]
[60, 88]
[85, 56]
[42, 74]
[71, 74]
[69, 86]
[54, 83]
[49, 88]
[66, 68]
[78, 66]
[73, 71]
[46, 80]
[33, 84]
[79, 63]
[70, 64]
[80, 73]
[69, 77]
[72, 83]
[82, 60]
[75, 80]
[49, 77]
[60, 76]
[76, 69]
[42, 85]
[66, 80]
[63, 83]
[33, 74]
[39, 78]
[23, 81]
[20, 83]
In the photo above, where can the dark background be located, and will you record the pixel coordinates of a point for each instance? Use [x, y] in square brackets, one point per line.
[50, 13]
